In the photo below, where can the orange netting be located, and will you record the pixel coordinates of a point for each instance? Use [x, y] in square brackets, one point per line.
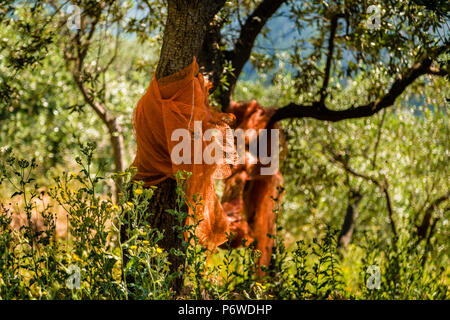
[249, 197]
[176, 102]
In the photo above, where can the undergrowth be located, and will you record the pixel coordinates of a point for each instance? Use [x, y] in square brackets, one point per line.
[88, 263]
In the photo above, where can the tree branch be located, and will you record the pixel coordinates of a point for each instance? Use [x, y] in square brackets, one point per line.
[211, 59]
[318, 110]
[326, 78]
[426, 221]
[75, 53]
[382, 185]
[251, 29]
[244, 44]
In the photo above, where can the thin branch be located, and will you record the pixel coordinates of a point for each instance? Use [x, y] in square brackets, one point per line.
[426, 221]
[251, 29]
[428, 242]
[245, 43]
[333, 27]
[382, 185]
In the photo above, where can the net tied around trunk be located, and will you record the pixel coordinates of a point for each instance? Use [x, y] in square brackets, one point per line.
[180, 101]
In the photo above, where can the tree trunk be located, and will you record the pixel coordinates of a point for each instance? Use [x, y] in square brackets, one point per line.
[350, 220]
[183, 37]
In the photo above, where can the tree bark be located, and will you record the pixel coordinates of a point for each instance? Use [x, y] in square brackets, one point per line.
[116, 136]
[350, 220]
[183, 35]
[422, 229]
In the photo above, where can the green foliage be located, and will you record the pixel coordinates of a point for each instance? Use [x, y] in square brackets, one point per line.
[34, 263]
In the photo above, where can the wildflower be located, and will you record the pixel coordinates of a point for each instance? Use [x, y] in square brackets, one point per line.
[159, 250]
[138, 191]
[146, 242]
[260, 285]
[130, 204]
[133, 247]
[73, 174]
[115, 207]
[76, 257]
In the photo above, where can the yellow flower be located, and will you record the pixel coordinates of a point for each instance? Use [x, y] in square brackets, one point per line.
[260, 285]
[138, 191]
[133, 247]
[146, 242]
[159, 250]
[76, 257]
[115, 206]
[73, 174]
[130, 204]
